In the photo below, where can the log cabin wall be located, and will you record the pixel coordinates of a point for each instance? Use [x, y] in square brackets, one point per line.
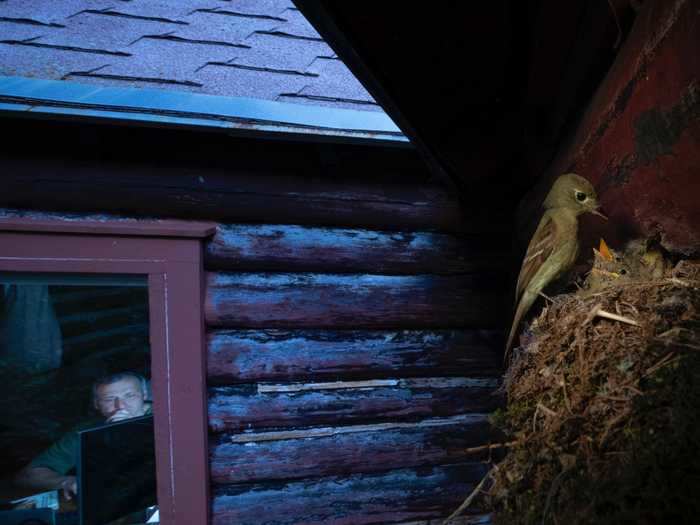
[354, 324]
[349, 371]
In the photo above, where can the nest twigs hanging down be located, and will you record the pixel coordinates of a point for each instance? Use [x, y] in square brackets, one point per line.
[604, 409]
[473, 494]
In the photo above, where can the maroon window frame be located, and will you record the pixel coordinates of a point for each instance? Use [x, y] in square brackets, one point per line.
[169, 253]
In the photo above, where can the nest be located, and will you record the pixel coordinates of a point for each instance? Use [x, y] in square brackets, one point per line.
[603, 415]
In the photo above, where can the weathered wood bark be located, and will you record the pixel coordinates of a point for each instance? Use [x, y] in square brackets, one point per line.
[229, 197]
[303, 249]
[241, 356]
[341, 450]
[234, 409]
[352, 301]
[638, 139]
[395, 496]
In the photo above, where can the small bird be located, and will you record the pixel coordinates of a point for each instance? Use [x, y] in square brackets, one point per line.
[650, 257]
[610, 267]
[641, 259]
[554, 246]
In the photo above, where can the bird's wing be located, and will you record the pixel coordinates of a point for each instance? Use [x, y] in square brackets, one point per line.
[540, 248]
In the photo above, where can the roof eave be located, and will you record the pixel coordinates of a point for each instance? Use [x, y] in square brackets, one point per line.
[234, 115]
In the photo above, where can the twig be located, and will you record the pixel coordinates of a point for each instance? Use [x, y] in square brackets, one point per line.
[562, 383]
[546, 410]
[552, 490]
[547, 298]
[631, 307]
[674, 335]
[680, 282]
[666, 360]
[617, 23]
[470, 498]
[591, 315]
[491, 446]
[597, 311]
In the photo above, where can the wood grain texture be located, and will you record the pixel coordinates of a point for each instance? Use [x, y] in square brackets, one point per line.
[237, 300]
[637, 141]
[227, 196]
[242, 356]
[233, 409]
[348, 449]
[306, 249]
[390, 497]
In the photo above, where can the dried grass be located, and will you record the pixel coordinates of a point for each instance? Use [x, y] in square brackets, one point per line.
[605, 415]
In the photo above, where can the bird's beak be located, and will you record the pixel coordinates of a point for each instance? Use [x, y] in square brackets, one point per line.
[604, 251]
[596, 212]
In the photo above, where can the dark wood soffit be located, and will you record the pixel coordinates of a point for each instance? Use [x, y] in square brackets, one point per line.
[44, 223]
[487, 91]
[328, 23]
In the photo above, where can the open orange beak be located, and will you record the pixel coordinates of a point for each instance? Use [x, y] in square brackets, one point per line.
[604, 251]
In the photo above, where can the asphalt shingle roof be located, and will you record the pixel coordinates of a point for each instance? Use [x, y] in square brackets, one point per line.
[261, 49]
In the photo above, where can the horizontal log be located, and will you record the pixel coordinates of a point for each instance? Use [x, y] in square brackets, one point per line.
[97, 321]
[305, 249]
[236, 300]
[75, 304]
[334, 451]
[390, 497]
[93, 336]
[95, 316]
[216, 194]
[241, 356]
[79, 294]
[233, 409]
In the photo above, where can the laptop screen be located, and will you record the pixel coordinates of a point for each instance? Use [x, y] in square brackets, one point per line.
[116, 470]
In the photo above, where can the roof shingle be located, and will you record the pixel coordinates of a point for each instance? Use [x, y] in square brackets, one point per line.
[241, 48]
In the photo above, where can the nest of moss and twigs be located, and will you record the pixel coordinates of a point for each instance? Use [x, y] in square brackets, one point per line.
[603, 416]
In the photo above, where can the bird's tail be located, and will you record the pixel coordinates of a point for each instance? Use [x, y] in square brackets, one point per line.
[523, 306]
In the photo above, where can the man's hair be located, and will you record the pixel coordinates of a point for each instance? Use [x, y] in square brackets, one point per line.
[119, 376]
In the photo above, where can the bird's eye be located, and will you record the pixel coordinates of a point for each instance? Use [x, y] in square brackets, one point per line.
[622, 272]
[580, 196]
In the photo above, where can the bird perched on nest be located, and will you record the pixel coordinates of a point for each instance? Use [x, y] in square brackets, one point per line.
[554, 246]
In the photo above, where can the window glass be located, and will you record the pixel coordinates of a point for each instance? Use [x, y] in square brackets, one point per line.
[74, 355]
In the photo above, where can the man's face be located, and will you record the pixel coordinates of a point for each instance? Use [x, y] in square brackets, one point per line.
[122, 399]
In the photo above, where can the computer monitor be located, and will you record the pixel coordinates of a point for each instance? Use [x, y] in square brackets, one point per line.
[116, 470]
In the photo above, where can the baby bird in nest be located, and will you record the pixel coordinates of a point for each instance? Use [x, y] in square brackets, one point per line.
[554, 246]
[650, 258]
[639, 260]
[609, 267]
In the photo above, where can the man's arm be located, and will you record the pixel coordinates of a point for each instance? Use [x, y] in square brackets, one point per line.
[49, 470]
[44, 478]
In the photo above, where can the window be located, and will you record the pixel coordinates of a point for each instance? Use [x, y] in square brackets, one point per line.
[157, 262]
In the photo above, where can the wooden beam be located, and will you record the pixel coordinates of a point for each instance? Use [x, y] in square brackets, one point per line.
[216, 194]
[342, 450]
[13, 220]
[362, 499]
[243, 356]
[637, 142]
[236, 300]
[304, 249]
[234, 409]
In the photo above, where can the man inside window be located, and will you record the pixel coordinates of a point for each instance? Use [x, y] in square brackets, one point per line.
[116, 397]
